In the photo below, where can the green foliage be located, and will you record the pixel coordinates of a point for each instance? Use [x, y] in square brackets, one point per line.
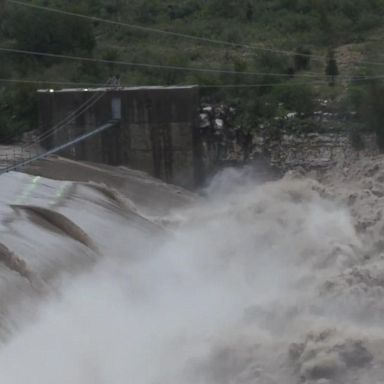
[111, 55]
[269, 62]
[182, 10]
[331, 69]
[17, 110]
[295, 98]
[293, 25]
[302, 59]
[227, 9]
[146, 11]
[36, 31]
[357, 96]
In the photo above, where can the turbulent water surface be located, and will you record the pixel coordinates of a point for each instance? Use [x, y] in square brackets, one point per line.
[109, 276]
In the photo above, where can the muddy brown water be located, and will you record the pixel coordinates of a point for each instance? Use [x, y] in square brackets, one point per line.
[110, 276]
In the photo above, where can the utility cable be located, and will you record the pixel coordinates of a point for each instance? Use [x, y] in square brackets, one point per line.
[53, 82]
[60, 147]
[146, 65]
[159, 31]
[175, 34]
[67, 120]
[59, 126]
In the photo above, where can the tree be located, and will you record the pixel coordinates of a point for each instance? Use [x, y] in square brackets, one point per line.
[227, 9]
[331, 69]
[295, 98]
[374, 112]
[249, 12]
[54, 34]
[302, 59]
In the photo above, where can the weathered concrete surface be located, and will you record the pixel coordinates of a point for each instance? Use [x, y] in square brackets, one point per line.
[155, 135]
[153, 197]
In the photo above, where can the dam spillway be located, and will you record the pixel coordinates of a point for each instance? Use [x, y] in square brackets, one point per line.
[109, 275]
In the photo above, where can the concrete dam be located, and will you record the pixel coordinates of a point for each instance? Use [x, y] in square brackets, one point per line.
[157, 130]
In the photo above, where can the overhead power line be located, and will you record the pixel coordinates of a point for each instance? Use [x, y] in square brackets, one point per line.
[263, 85]
[313, 82]
[119, 47]
[251, 85]
[59, 125]
[162, 31]
[178, 34]
[143, 65]
[50, 82]
[23, 163]
[146, 65]
[153, 66]
[72, 116]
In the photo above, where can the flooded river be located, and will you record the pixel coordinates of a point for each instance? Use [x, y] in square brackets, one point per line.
[109, 276]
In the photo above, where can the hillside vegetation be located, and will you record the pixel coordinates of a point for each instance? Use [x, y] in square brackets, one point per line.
[287, 46]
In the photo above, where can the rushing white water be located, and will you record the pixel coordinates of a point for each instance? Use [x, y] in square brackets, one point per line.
[254, 283]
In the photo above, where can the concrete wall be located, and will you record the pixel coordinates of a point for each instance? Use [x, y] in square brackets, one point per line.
[156, 134]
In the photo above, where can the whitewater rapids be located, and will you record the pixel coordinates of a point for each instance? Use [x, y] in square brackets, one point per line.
[110, 276]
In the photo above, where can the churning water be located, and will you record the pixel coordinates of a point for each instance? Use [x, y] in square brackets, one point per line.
[252, 283]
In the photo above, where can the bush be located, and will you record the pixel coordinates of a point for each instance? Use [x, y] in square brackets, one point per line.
[269, 62]
[18, 110]
[302, 59]
[53, 33]
[332, 69]
[228, 9]
[295, 97]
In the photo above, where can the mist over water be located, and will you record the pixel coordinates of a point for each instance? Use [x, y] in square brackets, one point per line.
[250, 284]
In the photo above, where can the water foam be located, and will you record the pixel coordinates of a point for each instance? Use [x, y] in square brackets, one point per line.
[253, 283]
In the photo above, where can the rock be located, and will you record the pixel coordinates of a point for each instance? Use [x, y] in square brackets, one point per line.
[328, 355]
[219, 124]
